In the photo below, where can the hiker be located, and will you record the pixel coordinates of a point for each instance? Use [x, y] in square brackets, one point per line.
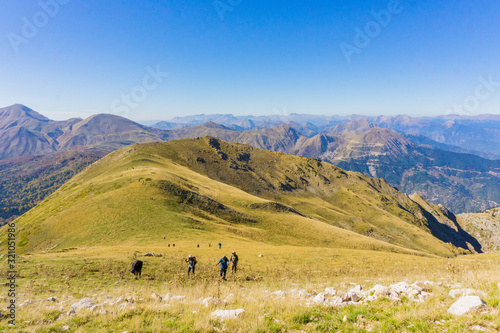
[223, 266]
[173, 245]
[168, 245]
[198, 245]
[191, 263]
[234, 262]
[136, 268]
[220, 245]
[209, 244]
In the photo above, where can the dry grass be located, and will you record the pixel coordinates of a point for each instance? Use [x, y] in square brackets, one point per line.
[100, 271]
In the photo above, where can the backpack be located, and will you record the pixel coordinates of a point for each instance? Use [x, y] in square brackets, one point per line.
[136, 266]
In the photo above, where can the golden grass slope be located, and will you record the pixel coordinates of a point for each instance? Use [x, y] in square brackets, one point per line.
[207, 190]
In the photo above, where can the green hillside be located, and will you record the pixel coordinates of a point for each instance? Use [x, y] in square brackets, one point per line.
[207, 190]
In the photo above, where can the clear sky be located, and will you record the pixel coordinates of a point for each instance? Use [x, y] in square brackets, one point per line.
[73, 58]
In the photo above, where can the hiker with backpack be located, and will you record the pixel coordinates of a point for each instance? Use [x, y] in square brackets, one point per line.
[223, 266]
[136, 269]
[191, 264]
[234, 262]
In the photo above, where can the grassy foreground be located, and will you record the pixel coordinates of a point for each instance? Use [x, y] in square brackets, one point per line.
[102, 273]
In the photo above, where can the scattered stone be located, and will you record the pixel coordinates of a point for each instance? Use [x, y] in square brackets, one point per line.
[399, 288]
[379, 290]
[121, 299]
[344, 319]
[466, 292]
[336, 301]
[353, 295]
[149, 255]
[329, 291]
[84, 303]
[319, 298]
[423, 285]
[230, 298]
[466, 304]
[65, 328]
[177, 298]
[357, 289]
[261, 255]
[478, 328]
[300, 293]
[280, 294]
[156, 297]
[227, 314]
[51, 299]
[26, 302]
[71, 312]
[95, 308]
[211, 301]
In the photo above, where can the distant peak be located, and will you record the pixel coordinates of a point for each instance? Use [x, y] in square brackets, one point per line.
[21, 110]
[211, 124]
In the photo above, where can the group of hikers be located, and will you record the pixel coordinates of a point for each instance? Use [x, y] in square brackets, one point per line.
[191, 261]
[223, 262]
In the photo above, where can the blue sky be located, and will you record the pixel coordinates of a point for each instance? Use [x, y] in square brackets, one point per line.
[250, 57]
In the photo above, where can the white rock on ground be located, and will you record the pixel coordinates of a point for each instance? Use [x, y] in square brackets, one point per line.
[466, 292]
[280, 294]
[299, 293]
[379, 290]
[319, 298]
[156, 297]
[230, 298]
[466, 304]
[335, 301]
[84, 303]
[399, 288]
[227, 314]
[478, 328]
[330, 291]
[211, 301]
[356, 289]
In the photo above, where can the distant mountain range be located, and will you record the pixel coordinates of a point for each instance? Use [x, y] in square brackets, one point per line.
[479, 134]
[25, 132]
[436, 157]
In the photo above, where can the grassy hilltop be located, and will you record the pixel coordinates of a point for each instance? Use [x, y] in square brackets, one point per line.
[206, 190]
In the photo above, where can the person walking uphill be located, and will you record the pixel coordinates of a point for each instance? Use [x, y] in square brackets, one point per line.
[136, 268]
[234, 262]
[223, 266]
[191, 264]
